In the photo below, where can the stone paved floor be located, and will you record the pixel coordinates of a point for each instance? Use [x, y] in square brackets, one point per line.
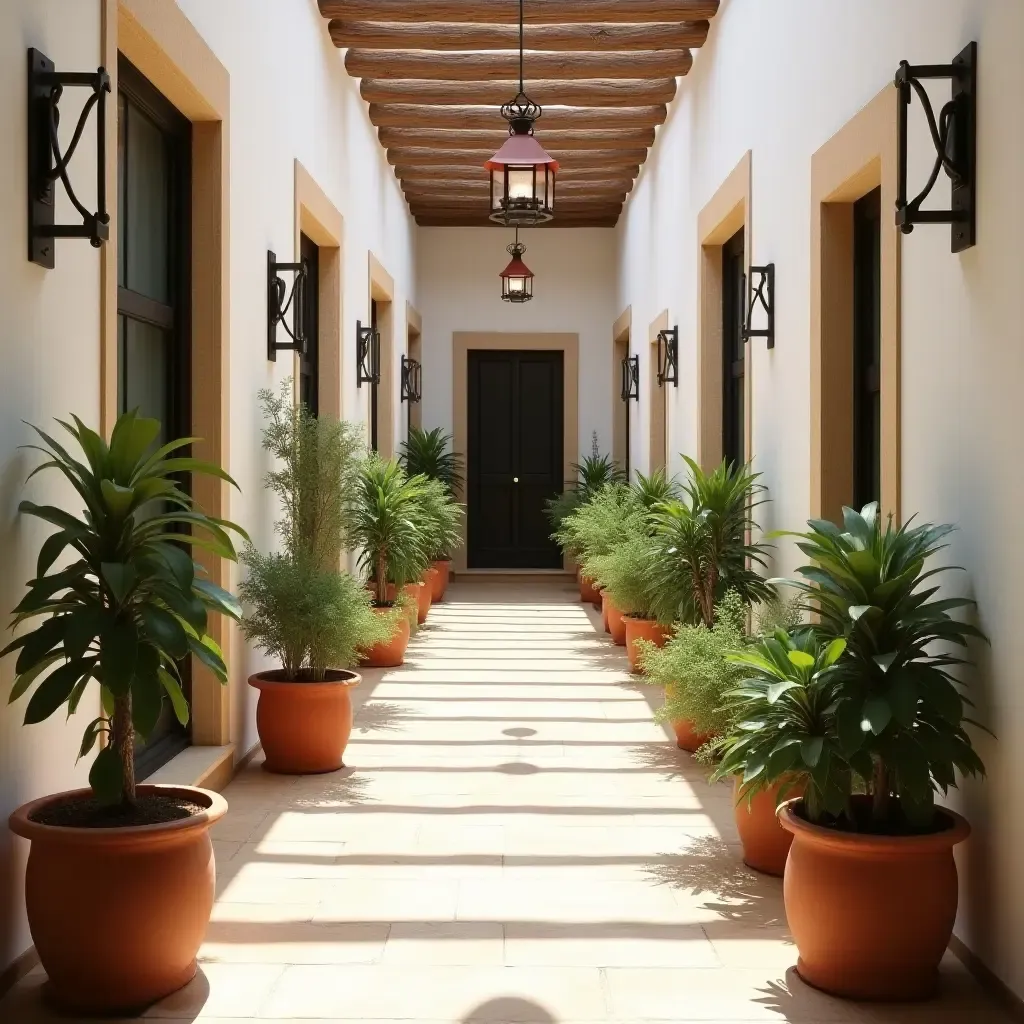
[515, 840]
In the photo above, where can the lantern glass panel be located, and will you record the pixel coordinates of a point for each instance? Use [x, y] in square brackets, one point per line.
[497, 188]
[520, 184]
[550, 190]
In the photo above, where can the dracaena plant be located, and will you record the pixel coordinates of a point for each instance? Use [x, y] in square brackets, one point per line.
[439, 518]
[782, 711]
[427, 453]
[121, 599]
[900, 705]
[591, 475]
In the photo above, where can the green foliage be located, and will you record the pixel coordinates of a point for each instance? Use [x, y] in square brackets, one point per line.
[591, 475]
[310, 619]
[900, 710]
[785, 731]
[426, 453]
[704, 537]
[388, 525]
[654, 489]
[695, 670]
[599, 523]
[129, 602]
[627, 573]
[778, 612]
[440, 518]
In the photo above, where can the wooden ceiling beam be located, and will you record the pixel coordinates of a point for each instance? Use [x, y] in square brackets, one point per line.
[623, 92]
[472, 171]
[411, 115]
[501, 12]
[482, 187]
[471, 205]
[427, 221]
[568, 158]
[592, 38]
[472, 67]
[489, 142]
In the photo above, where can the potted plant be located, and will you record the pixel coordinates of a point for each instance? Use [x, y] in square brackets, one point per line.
[440, 520]
[120, 880]
[394, 550]
[427, 453]
[305, 612]
[877, 727]
[695, 670]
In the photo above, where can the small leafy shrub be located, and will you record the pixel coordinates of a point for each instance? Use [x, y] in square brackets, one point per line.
[426, 453]
[590, 476]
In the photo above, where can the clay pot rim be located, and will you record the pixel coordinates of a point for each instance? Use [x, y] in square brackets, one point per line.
[344, 678]
[21, 823]
[438, 562]
[859, 845]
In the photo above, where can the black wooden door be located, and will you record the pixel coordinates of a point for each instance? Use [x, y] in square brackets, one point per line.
[514, 458]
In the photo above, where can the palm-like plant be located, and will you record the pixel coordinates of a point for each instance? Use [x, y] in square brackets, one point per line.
[440, 518]
[784, 723]
[387, 525]
[706, 542]
[652, 490]
[427, 453]
[901, 711]
[590, 476]
[130, 603]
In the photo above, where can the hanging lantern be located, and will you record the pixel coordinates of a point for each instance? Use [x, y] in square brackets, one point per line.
[517, 277]
[522, 173]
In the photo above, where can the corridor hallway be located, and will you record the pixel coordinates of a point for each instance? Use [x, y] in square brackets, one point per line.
[514, 839]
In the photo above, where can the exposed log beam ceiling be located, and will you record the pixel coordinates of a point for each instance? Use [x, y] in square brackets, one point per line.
[436, 72]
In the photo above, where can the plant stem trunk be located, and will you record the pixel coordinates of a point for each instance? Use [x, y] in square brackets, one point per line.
[880, 792]
[382, 577]
[122, 739]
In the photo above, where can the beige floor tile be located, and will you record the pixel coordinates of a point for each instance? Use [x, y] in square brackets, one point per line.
[389, 900]
[297, 940]
[221, 990]
[449, 943]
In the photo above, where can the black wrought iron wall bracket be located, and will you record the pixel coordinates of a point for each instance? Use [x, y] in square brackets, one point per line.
[630, 390]
[412, 380]
[953, 136]
[367, 354]
[668, 357]
[280, 300]
[46, 163]
[762, 296]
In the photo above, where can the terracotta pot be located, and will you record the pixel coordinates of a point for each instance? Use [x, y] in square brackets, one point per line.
[304, 727]
[439, 579]
[687, 737]
[765, 842]
[412, 593]
[871, 915]
[118, 914]
[616, 623]
[392, 653]
[604, 612]
[588, 591]
[643, 629]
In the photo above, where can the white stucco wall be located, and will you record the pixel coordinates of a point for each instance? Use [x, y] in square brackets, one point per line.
[459, 290]
[779, 79]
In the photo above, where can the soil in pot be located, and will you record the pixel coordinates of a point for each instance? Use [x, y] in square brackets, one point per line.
[687, 736]
[765, 842]
[589, 591]
[616, 623]
[871, 914]
[392, 653]
[643, 629]
[304, 727]
[118, 913]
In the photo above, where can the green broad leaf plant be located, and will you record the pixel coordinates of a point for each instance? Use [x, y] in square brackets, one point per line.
[121, 600]
[428, 453]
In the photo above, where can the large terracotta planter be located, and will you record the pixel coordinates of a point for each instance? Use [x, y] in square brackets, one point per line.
[871, 915]
[389, 654]
[118, 914]
[643, 629]
[423, 592]
[304, 727]
[439, 579]
[765, 842]
[588, 590]
[688, 738]
[616, 622]
[604, 612]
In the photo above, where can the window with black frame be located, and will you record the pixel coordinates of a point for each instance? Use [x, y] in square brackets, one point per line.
[733, 362]
[153, 329]
[867, 348]
[374, 384]
[309, 361]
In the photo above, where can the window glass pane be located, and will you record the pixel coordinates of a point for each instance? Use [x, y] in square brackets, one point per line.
[148, 184]
[121, 407]
[122, 156]
[146, 385]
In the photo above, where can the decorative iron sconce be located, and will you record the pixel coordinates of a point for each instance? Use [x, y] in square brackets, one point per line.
[953, 136]
[367, 354]
[668, 357]
[630, 379]
[46, 163]
[277, 306]
[763, 295]
[412, 380]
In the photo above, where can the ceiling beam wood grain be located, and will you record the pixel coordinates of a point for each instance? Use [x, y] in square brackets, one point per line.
[623, 92]
[482, 187]
[489, 142]
[471, 67]
[471, 171]
[459, 221]
[406, 115]
[569, 158]
[501, 12]
[573, 38]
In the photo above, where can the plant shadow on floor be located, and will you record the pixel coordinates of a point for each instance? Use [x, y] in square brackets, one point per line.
[336, 789]
[709, 867]
[381, 716]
